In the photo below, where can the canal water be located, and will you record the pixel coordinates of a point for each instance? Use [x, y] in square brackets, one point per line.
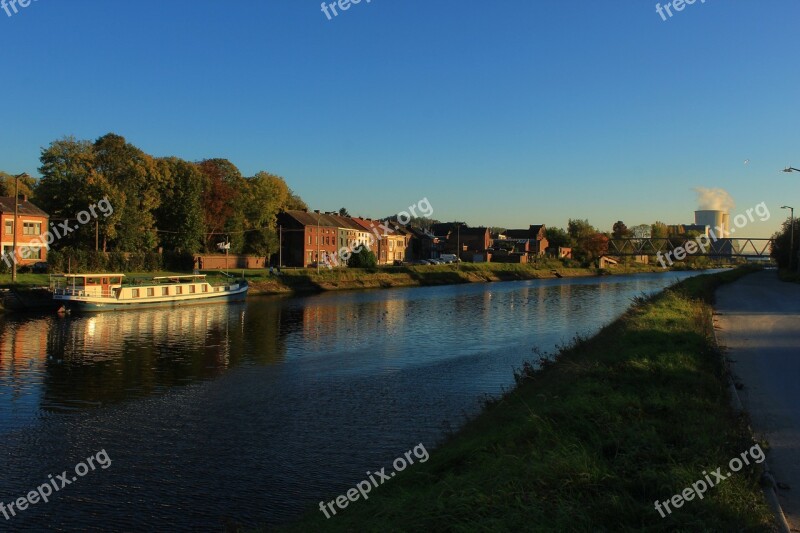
[253, 412]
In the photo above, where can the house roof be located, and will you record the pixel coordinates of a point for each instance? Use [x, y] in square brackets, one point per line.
[25, 207]
[480, 232]
[531, 233]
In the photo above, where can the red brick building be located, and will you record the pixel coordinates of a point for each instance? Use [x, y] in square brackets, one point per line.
[30, 227]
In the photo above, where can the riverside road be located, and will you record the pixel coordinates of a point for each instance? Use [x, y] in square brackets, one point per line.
[759, 320]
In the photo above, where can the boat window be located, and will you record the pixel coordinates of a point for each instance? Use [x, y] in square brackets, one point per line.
[151, 291]
[205, 288]
[178, 290]
[192, 288]
[135, 293]
[105, 281]
[164, 291]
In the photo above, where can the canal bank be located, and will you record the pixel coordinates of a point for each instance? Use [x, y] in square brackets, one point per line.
[304, 281]
[31, 294]
[591, 440]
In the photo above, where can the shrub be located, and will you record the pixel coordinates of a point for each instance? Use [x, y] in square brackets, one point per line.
[363, 259]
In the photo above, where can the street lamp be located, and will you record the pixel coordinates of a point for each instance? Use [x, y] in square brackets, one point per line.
[16, 214]
[791, 169]
[791, 235]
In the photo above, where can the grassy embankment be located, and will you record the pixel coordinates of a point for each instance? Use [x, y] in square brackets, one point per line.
[309, 280]
[589, 441]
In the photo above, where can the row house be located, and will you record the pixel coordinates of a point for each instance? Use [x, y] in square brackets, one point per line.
[390, 240]
[30, 227]
[311, 237]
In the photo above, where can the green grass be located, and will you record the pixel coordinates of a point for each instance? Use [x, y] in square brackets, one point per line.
[590, 441]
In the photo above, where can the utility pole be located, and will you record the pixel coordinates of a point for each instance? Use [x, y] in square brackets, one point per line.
[16, 215]
[280, 246]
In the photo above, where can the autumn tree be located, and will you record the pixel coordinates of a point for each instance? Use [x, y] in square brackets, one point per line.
[620, 230]
[134, 176]
[221, 193]
[7, 185]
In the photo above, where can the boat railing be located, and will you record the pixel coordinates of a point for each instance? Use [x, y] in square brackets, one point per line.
[82, 292]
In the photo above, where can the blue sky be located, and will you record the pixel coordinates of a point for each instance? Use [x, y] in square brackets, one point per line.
[501, 113]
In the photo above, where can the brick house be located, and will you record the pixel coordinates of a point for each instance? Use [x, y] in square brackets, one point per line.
[307, 237]
[31, 226]
[532, 241]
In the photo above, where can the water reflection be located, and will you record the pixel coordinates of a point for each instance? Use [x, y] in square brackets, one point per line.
[57, 363]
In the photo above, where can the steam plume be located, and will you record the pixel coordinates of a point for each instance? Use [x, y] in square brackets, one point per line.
[714, 199]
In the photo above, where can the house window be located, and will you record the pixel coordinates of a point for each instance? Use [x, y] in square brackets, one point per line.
[31, 228]
[151, 291]
[135, 293]
[309, 239]
[33, 253]
[9, 227]
[164, 291]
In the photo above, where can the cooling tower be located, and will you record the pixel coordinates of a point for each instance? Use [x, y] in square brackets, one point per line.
[714, 220]
[726, 223]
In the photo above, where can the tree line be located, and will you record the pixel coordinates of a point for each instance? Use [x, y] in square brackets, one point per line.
[160, 203]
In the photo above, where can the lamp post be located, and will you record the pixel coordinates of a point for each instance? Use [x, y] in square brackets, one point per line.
[14, 228]
[791, 236]
[791, 169]
[319, 216]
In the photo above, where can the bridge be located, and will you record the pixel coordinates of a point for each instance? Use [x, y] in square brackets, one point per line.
[706, 247]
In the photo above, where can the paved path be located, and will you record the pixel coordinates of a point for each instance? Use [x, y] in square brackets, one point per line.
[759, 323]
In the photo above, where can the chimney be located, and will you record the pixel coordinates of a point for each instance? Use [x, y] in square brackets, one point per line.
[316, 211]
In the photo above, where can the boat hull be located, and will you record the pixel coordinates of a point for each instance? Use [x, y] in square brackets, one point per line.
[87, 305]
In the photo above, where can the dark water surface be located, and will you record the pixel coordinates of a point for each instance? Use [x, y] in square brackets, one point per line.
[254, 411]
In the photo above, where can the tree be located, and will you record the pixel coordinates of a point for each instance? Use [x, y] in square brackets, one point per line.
[343, 212]
[595, 246]
[265, 196]
[134, 176]
[659, 230]
[180, 216]
[642, 231]
[7, 185]
[220, 194]
[620, 230]
[70, 183]
[364, 258]
[558, 238]
[580, 229]
[781, 240]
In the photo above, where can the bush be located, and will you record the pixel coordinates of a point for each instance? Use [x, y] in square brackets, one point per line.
[363, 259]
[180, 261]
